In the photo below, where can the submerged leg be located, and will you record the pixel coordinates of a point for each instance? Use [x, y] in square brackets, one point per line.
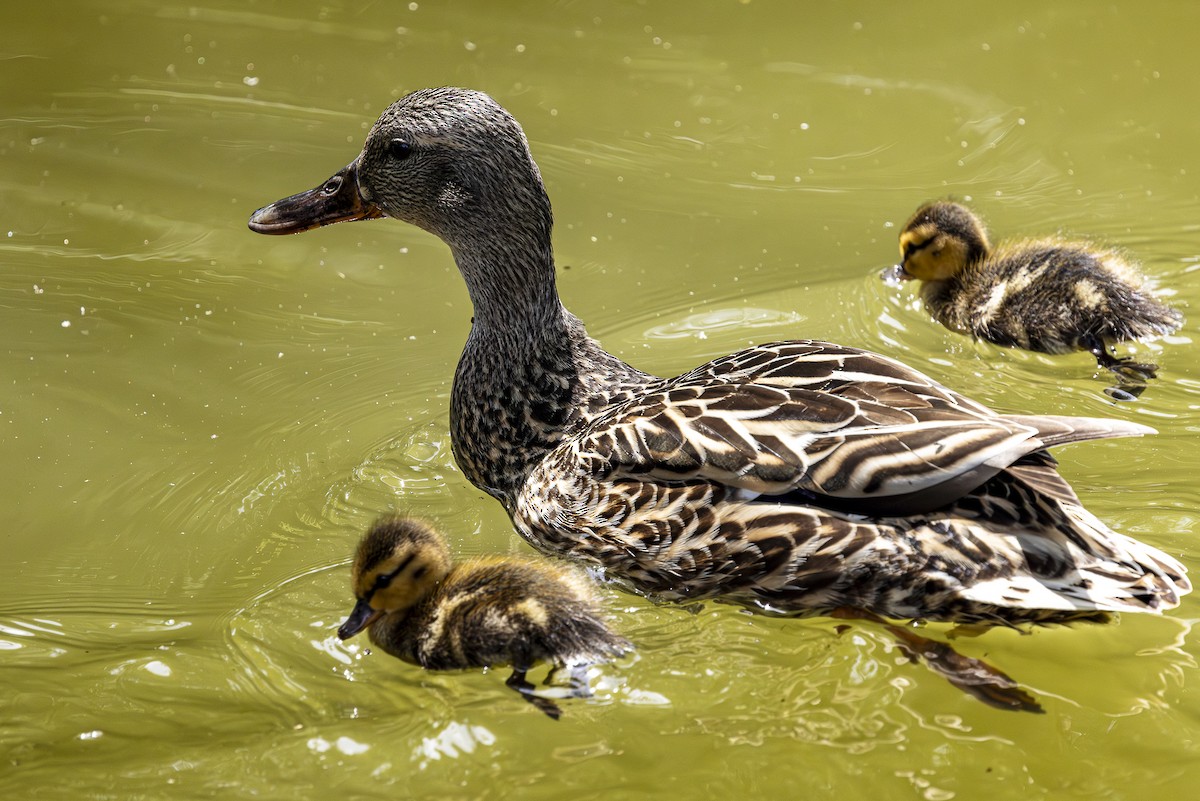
[576, 683]
[518, 682]
[973, 676]
[1125, 392]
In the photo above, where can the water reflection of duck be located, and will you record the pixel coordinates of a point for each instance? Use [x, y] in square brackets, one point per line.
[1047, 295]
[485, 612]
[799, 477]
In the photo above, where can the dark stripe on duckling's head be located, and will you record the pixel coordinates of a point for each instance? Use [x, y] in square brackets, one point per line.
[940, 240]
[390, 534]
[955, 220]
[910, 244]
[398, 563]
[382, 580]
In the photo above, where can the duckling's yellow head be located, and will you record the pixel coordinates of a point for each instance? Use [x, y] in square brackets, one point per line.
[398, 563]
[940, 240]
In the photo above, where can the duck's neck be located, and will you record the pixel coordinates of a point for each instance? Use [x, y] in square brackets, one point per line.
[529, 374]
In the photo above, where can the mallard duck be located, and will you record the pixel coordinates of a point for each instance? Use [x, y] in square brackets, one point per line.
[1047, 295]
[485, 612]
[797, 477]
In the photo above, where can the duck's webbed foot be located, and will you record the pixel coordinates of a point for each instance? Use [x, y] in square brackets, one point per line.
[973, 676]
[518, 682]
[1132, 375]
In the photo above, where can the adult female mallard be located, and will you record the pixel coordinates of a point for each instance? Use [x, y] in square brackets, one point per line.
[1047, 295]
[486, 612]
[797, 477]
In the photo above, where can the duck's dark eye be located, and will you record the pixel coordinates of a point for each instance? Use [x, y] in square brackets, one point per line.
[332, 186]
[400, 149]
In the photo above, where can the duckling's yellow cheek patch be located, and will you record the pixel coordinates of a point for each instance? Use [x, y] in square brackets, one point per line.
[938, 258]
[922, 250]
[908, 244]
[925, 264]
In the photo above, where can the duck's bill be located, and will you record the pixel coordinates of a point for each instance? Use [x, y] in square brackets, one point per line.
[337, 200]
[362, 616]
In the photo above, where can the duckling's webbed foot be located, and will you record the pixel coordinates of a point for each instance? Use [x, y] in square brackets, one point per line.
[518, 682]
[576, 684]
[1131, 379]
[973, 676]
[1133, 375]
[1125, 392]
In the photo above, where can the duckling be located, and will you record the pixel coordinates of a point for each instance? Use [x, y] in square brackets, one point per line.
[1047, 295]
[488, 611]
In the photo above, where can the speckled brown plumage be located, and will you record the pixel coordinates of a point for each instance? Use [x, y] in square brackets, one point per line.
[799, 477]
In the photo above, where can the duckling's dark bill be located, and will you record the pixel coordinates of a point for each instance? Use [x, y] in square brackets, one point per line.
[360, 618]
[894, 275]
[336, 200]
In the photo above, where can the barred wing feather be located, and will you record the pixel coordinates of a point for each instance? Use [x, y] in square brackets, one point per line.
[848, 429]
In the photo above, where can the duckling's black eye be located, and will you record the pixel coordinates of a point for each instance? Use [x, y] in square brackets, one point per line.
[911, 247]
[400, 149]
[381, 581]
[385, 579]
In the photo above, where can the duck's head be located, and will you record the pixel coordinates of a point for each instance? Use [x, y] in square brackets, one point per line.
[939, 241]
[450, 161]
[397, 564]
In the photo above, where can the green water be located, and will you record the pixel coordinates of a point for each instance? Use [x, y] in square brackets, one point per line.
[197, 422]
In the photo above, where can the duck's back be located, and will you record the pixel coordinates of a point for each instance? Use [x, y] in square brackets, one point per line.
[1051, 297]
[492, 611]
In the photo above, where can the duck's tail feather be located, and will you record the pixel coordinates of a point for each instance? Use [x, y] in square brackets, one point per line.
[1110, 572]
[1060, 429]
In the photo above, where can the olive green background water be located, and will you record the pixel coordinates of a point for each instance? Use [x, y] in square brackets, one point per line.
[197, 422]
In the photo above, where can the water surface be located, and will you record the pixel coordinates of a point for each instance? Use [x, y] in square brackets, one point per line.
[199, 422]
